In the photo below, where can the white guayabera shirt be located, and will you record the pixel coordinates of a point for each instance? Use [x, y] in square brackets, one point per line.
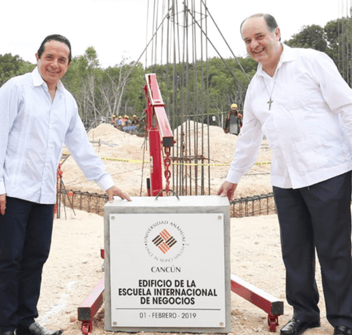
[309, 124]
[33, 129]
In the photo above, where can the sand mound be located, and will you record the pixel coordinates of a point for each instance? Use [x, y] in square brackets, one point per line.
[124, 153]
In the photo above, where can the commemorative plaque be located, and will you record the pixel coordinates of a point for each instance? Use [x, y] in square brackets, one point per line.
[167, 265]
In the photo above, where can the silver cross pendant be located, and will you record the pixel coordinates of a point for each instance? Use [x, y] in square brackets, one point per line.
[270, 102]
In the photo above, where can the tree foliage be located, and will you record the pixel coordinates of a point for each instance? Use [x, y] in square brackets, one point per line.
[101, 93]
[202, 90]
[312, 36]
[11, 66]
[190, 90]
[335, 39]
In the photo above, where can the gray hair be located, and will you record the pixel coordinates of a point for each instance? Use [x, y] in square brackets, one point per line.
[269, 19]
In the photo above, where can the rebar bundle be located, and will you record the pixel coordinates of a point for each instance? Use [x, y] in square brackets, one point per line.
[180, 41]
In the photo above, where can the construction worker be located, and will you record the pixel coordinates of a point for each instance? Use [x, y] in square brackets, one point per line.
[119, 122]
[123, 121]
[233, 121]
[127, 122]
[113, 120]
[135, 120]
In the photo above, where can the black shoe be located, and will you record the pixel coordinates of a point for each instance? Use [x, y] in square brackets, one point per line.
[8, 332]
[295, 327]
[342, 330]
[36, 329]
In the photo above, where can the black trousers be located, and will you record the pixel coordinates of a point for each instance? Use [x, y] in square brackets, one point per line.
[318, 219]
[25, 238]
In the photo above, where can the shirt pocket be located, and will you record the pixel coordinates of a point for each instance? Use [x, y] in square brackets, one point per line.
[303, 92]
[308, 155]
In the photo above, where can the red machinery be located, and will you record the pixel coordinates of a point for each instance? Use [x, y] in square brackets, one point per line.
[160, 135]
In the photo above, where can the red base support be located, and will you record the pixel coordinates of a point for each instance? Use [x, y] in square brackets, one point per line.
[259, 298]
[90, 307]
[273, 321]
[86, 327]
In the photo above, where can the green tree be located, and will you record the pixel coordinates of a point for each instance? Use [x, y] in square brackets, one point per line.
[339, 36]
[334, 39]
[11, 66]
[312, 36]
[91, 56]
[100, 92]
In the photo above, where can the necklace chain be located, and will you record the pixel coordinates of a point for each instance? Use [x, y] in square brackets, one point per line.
[272, 90]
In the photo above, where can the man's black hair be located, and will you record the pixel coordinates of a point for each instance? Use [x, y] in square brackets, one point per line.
[58, 38]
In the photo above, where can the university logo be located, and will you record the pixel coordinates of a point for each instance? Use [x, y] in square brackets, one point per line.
[164, 241]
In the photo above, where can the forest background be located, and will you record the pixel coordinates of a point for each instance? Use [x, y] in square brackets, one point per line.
[103, 92]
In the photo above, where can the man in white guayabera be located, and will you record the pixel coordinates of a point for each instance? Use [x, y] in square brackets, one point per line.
[298, 99]
[38, 115]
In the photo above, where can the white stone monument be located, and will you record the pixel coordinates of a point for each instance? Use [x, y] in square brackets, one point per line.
[167, 264]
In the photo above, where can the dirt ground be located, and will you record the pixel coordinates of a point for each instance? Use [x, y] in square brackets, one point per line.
[75, 266]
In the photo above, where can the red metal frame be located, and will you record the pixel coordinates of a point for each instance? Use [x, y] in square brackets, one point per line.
[159, 131]
[259, 298]
[90, 307]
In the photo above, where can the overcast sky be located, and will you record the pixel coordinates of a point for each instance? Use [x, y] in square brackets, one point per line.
[117, 28]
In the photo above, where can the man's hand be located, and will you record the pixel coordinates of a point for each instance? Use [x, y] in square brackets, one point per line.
[2, 204]
[116, 191]
[227, 189]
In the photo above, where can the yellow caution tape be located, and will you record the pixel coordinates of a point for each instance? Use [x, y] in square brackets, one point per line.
[116, 159]
[123, 160]
[228, 164]
[185, 164]
[200, 164]
[262, 163]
